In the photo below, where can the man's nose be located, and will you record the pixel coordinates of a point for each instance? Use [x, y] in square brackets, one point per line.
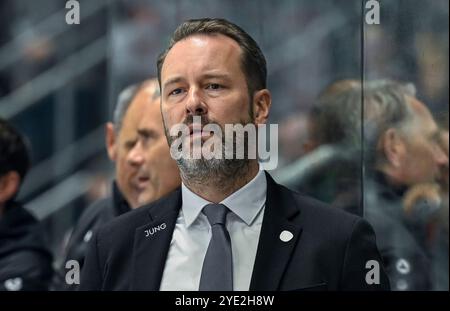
[195, 105]
[441, 157]
[136, 155]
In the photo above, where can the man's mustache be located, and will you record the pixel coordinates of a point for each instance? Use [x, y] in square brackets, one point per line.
[204, 120]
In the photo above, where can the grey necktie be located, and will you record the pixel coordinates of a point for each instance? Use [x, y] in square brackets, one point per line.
[217, 271]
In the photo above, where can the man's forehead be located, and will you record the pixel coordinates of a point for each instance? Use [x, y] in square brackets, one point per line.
[193, 49]
[205, 41]
[135, 111]
[151, 118]
[150, 89]
[129, 127]
[418, 106]
[422, 114]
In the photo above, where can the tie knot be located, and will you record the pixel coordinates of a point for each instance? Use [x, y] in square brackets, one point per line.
[216, 213]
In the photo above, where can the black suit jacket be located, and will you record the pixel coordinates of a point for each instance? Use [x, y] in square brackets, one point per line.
[25, 260]
[329, 250]
[97, 214]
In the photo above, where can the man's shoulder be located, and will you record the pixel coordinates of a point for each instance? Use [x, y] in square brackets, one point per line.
[96, 214]
[315, 207]
[125, 225]
[317, 214]
[129, 220]
[98, 209]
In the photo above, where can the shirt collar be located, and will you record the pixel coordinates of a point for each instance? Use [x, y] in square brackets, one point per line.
[192, 204]
[246, 202]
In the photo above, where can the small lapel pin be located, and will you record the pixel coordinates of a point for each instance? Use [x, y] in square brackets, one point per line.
[286, 236]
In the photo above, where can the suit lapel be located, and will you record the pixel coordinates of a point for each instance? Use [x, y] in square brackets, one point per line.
[273, 254]
[152, 241]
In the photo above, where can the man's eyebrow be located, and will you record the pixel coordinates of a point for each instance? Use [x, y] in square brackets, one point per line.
[216, 76]
[145, 132]
[172, 81]
[130, 142]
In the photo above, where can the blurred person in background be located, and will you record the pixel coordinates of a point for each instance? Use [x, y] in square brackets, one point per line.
[329, 170]
[25, 261]
[293, 134]
[144, 169]
[403, 152]
[426, 205]
[405, 175]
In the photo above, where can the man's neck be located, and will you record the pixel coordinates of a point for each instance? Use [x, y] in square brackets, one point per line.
[218, 189]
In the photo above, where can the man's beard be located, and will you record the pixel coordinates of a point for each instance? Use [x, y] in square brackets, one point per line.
[221, 172]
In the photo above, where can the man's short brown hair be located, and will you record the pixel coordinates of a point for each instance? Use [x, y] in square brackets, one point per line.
[253, 61]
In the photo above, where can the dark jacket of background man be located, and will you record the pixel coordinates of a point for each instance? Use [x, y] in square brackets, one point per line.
[25, 261]
[99, 213]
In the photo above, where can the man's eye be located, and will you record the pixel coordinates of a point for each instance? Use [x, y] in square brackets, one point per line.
[214, 86]
[176, 92]
[145, 139]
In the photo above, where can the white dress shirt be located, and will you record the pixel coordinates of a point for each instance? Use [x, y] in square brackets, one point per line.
[192, 234]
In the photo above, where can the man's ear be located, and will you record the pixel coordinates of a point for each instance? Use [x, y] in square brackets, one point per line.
[262, 100]
[394, 147]
[9, 186]
[111, 141]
